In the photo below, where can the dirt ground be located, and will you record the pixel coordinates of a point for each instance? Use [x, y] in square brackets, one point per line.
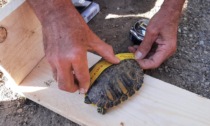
[189, 68]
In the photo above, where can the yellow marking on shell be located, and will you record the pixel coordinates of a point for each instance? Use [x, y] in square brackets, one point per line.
[93, 104]
[129, 75]
[109, 95]
[102, 65]
[122, 87]
[114, 105]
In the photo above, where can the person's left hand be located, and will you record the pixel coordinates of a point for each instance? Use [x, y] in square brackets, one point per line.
[161, 32]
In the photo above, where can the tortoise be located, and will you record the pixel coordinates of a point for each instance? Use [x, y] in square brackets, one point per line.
[114, 85]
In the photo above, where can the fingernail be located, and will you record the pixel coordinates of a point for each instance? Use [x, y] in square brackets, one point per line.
[138, 55]
[117, 60]
[82, 90]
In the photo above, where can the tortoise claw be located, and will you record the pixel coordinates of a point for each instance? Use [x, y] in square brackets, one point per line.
[117, 102]
[107, 105]
[137, 87]
[101, 110]
[87, 100]
[101, 103]
[111, 104]
[124, 97]
[131, 92]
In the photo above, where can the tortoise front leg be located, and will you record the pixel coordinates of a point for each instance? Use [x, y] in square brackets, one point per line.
[101, 110]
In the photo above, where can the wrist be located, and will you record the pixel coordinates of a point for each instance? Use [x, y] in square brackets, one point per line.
[171, 10]
[173, 6]
[52, 12]
[62, 13]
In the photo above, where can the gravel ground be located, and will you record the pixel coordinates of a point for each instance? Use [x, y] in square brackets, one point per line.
[188, 68]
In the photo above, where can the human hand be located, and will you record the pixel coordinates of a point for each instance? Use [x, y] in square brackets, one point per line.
[66, 42]
[162, 33]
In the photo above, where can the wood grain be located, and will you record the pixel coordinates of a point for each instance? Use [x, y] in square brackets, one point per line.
[156, 104]
[22, 49]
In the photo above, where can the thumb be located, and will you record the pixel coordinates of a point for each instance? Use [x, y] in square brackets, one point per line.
[146, 45]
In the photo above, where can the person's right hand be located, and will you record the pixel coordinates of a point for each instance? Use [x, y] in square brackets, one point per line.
[66, 42]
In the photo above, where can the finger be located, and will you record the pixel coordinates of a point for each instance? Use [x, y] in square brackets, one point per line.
[154, 61]
[65, 78]
[146, 44]
[104, 50]
[54, 70]
[53, 67]
[132, 49]
[54, 73]
[81, 71]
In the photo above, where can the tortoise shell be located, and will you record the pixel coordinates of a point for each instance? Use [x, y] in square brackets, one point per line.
[114, 85]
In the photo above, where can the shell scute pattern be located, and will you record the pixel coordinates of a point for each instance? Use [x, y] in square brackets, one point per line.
[115, 85]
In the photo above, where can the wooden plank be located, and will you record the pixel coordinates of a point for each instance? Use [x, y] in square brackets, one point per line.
[157, 103]
[22, 49]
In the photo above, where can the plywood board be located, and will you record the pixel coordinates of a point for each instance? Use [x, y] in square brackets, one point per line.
[22, 49]
[157, 103]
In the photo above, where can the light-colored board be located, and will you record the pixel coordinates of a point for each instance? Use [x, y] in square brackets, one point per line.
[156, 104]
[22, 49]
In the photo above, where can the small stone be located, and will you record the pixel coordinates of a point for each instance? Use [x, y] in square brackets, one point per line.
[179, 30]
[205, 52]
[190, 35]
[166, 69]
[207, 83]
[185, 28]
[104, 39]
[20, 110]
[25, 120]
[118, 8]
[160, 69]
[195, 19]
[18, 104]
[201, 42]
[203, 79]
